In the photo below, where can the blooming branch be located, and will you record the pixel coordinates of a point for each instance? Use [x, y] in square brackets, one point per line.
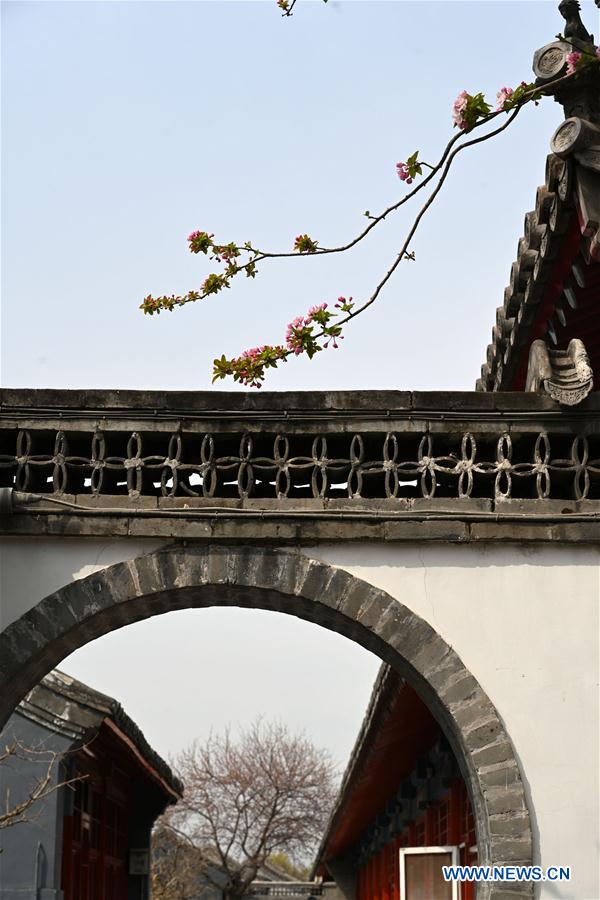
[304, 244]
[581, 55]
[468, 108]
[287, 6]
[322, 327]
[413, 166]
[305, 334]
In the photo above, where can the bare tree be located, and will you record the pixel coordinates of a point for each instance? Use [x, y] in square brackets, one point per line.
[269, 791]
[282, 862]
[41, 786]
[177, 867]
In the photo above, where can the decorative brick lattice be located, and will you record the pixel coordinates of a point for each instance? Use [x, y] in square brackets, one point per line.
[277, 466]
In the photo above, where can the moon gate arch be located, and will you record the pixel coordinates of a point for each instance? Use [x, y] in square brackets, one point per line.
[285, 580]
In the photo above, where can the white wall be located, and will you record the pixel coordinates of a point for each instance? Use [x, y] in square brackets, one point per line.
[524, 620]
[32, 568]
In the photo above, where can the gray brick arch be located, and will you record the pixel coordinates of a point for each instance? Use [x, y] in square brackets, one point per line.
[286, 581]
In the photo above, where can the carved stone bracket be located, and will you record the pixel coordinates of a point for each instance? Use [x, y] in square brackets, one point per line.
[580, 137]
[588, 204]
[565, 375]
[550, 61]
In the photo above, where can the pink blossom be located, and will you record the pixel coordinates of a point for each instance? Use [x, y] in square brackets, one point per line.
[458, 110]
[502, 96]
[252, 353]
[313, 312]
[598, 52]
[342, 301]
[293, 342]
[200, 241]
[403, 173]
[572, 60]
[295, 323]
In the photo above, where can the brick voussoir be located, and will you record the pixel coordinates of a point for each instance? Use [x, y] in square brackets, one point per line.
[497, 751]
[511, 851]
[459, 690]
[337, 588]
[58, 610]
[218, 567]
[248, 560]
[316, 580]
[412, 637]
[482, 733]
[450, 672]
[510, 824]
[85, 597]
[117, 586]
[358, 597]
[148, 575]
[288, 572]
[516, 890]
[433, 654]
[477, 708]
[391, 627]
[12, 654]
[195, 571]
[505, 799]
[270, 570]
[376, 608]
[50, 623]
[501, 775]
[20, 643]
[175, 567]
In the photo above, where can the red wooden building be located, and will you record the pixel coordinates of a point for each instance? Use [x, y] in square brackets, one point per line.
[90, 839]
[402, 793]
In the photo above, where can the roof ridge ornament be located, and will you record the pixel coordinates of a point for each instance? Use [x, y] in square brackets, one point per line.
[579, 96]
[566, 375]
[575, 30]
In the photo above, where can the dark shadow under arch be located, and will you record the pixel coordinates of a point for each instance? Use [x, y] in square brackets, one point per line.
[287, 581]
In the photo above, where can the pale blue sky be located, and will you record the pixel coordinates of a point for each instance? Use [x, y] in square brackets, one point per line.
[128, 124]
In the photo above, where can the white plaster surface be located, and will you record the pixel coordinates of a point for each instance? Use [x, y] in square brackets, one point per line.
[524, 620]
[32, 568]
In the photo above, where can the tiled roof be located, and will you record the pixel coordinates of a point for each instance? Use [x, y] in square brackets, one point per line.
[554, 286]
[68, 707]
[554, 275]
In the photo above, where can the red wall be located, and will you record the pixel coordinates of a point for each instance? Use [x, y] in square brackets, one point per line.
[449, 823]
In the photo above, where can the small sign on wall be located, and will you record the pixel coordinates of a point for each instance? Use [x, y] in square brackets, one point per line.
[139, 862]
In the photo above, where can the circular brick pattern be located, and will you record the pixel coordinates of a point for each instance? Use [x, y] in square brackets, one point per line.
[286, 581]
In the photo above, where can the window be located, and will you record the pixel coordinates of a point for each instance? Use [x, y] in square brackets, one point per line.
[95, 836]
[421, 875]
